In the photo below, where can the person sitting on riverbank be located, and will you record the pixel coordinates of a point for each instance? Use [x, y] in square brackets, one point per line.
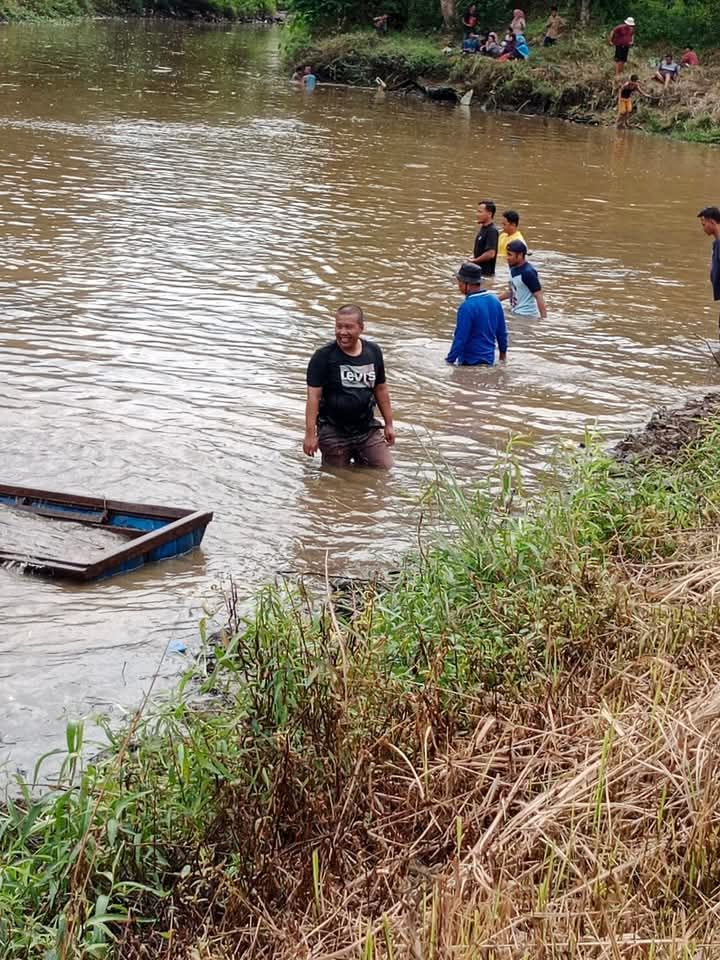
[689, 58]
[471, 43]
[380, 23]
[510, 231]
[625, 101]
[553, 28]
[522, 50]
[667, 71]
[479, 324]
[491, 47]
[517, 49]
[622, 38]
[524, 290]
[508, 47]
[345, 380]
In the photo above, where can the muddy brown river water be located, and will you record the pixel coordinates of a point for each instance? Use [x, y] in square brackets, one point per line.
[177, 225]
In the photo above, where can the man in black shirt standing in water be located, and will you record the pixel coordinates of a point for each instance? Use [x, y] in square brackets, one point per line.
[486, 241]
[710, 222]
[345, 379]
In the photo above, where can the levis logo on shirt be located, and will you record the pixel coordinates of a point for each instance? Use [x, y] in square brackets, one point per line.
[360, 377]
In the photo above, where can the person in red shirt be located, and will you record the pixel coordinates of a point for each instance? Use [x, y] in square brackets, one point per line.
[470, 20]
[622, 38]
[689, 58]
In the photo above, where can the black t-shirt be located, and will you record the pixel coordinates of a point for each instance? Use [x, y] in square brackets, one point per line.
[487, 239]
[715, 269]
[348, 384]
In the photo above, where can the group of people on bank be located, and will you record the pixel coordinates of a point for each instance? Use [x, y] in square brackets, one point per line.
[346, 377]
[514, 45]
[622, 38]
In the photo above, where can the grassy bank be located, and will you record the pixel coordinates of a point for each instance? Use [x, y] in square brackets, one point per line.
[510, 751]
[573, 80]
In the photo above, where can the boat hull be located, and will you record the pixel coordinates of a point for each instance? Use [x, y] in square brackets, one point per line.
[155, 532]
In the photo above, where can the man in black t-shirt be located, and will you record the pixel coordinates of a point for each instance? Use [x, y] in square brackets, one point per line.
[710, 222]
[345, 379]
[486, 240]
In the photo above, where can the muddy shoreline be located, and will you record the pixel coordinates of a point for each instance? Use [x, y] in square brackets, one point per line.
[669, 431]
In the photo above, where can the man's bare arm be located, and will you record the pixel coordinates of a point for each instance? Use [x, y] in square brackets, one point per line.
[484, 257]
[312, 406]
[540, 300]
[382, 395]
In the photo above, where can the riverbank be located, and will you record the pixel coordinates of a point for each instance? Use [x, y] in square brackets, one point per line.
[511, 748]
[573, 81]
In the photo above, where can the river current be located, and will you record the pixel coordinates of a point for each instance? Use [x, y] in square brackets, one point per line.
[178, 224]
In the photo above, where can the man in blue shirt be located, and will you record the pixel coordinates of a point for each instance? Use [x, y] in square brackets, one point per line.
[480, 322]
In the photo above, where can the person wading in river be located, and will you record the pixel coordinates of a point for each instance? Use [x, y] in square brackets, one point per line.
[510, 231]
[486, 239]
[710, 220]
[480, 322]
[345, 379]
[524, 290]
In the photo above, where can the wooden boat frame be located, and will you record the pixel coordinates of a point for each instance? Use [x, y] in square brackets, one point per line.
[156, 532]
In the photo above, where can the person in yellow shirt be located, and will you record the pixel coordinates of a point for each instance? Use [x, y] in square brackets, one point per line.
[510, 231]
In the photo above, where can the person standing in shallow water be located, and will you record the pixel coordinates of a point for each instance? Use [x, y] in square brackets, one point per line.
[486, 239]
[345, 380]
[710, 221]
[510, 231]
[480, 322]
[309, 79]
[524, 290]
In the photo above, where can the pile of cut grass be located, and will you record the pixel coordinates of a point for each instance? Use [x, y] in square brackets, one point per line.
[510, 752]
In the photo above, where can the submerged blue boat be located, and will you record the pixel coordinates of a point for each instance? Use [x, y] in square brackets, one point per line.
[148, 533]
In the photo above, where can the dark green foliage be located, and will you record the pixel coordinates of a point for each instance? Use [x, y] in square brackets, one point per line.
[675, 23]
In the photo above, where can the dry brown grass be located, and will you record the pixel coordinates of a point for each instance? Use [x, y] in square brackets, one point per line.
[582, 822]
